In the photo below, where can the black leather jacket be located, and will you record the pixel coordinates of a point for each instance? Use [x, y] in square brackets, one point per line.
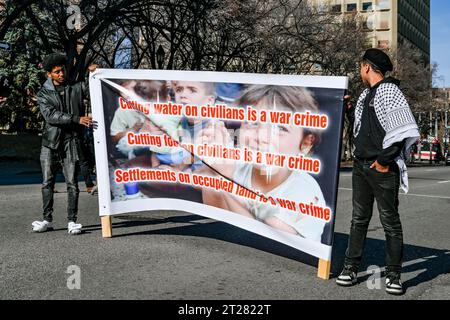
[56, 120]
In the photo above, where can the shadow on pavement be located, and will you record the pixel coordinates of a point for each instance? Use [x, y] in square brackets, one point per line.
[427, 262]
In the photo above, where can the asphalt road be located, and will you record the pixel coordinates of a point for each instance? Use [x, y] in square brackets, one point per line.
[178, 255]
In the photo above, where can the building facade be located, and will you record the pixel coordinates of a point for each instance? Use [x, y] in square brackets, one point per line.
[388, 23]
[441, 97]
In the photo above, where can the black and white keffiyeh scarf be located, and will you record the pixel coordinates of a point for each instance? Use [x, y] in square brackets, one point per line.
[396, 118]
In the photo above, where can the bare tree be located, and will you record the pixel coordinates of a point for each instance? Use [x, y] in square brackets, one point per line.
[261, 36]
[416, 77]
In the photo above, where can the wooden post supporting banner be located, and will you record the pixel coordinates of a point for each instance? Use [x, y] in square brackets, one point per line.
[324, 269]
[106, 226]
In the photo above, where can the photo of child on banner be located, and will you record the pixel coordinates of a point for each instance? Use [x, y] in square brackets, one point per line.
[278, 183]
[126, 120]
[191, 93]
[130, 122]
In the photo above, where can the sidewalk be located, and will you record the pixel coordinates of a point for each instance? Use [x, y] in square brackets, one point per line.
[24, 172]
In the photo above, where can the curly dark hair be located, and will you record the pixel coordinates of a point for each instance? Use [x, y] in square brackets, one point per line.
[54, 60]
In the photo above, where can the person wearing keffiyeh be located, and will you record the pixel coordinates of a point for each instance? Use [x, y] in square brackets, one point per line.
[384, 129]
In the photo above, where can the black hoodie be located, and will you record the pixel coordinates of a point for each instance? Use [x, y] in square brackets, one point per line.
[369, 142]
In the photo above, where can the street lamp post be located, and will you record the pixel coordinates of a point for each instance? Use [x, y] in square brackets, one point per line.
[436, 125]
[160, 53]
[446, 135]
[429, 139]
[419, 145]
[446, 105]
[446, 119]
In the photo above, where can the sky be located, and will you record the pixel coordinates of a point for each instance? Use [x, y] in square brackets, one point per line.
[440, 39]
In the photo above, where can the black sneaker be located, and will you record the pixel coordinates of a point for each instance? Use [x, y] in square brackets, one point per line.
[348, 277]
[394, 284]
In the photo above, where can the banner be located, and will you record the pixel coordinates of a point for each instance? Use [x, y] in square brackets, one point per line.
[260, 152]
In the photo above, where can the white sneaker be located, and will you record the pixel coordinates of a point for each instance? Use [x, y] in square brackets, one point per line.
[42, 226]
[348, 277]
[74, 228]
[394, 284]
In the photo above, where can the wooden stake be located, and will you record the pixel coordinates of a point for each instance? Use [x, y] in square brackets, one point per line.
[106, 226]
[324, 269]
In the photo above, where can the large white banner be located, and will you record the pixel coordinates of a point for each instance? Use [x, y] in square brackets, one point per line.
[258, 151]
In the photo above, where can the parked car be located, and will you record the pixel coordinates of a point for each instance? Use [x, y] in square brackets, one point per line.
[426, 147]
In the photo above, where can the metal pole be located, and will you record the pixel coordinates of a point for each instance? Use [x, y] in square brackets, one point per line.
[446, 133]
[419, 145]
[431, 124]
[429, 137]
[419, 150]
[446, 123]
[436, 133]
[436, 129]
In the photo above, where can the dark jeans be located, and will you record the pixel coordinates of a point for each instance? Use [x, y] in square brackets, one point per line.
[51, 161]
[368, 185]
[86, 171]
[87, 157]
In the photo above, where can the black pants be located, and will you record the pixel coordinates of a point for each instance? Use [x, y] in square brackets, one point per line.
[87, 157]
[51, 161]
[368, 185]
[86, 171]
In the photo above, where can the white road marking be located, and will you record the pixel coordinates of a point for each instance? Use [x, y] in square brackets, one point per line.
[424, 196]
[426, 186]
[406, 264]
[444, 182]
[408, 194]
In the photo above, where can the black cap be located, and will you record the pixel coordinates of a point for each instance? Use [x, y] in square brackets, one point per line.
[380, 59]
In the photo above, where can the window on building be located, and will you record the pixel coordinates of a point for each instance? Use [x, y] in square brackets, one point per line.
[351, 7]
[384, 24]
[336, 8]
[384, 5]
[322, 8]
[367, 6]
[383, 44]
[383, 21]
